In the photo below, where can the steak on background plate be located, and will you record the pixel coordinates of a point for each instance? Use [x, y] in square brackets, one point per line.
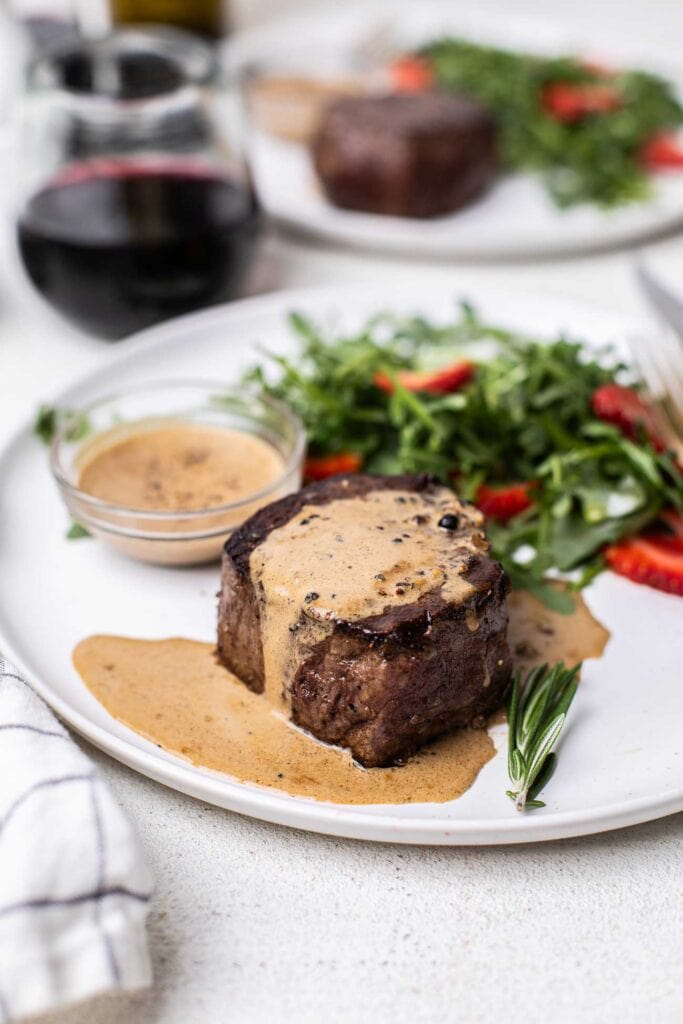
[369, 610]
[405, 154]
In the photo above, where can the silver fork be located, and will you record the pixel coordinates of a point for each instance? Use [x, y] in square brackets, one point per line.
[658, 358]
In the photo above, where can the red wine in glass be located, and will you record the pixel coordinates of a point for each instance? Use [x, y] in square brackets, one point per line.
[116, 245]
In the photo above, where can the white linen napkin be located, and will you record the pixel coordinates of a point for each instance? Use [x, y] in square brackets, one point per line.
[74, 888]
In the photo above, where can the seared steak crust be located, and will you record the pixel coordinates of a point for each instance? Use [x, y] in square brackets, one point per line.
[405, 154]
[381, 685]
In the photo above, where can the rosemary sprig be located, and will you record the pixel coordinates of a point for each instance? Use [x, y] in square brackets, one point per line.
[537, 710]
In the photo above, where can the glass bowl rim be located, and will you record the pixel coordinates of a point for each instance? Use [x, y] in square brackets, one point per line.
[91, 503]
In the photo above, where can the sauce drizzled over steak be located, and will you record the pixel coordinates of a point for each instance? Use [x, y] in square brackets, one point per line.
[368, 608]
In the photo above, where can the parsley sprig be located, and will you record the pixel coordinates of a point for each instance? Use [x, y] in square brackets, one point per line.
[537, 710]
[525, 416]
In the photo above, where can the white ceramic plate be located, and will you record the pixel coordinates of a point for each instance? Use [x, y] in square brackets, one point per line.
[515, 218]
[621, 757]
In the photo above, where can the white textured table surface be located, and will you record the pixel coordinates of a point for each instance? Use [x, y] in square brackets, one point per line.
[253, 922]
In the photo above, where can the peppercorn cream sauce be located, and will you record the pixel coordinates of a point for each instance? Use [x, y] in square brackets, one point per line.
[171, 467]
[538, 635]
[176, 466]
[352, 559]
[176, 694]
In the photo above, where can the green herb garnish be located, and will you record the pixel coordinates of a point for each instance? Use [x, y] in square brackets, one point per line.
[48, 418]
[596, 158]
[77, 532]
[45, 423]
[537, 711]
[525, 416]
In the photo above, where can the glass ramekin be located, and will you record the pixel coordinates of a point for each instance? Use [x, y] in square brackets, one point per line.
[182, 537]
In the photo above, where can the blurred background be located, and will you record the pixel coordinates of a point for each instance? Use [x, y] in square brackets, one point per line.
[182, 131]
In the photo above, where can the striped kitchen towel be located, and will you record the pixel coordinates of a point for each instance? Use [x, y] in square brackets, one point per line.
[74, 889]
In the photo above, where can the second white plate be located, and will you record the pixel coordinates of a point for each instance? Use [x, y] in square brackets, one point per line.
[515, 219]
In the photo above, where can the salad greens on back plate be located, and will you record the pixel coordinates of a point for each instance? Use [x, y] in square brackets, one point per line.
[593, 133]
[522, 414]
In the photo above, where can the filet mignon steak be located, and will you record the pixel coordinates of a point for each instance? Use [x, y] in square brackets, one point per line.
[369, 609]
[405, 154]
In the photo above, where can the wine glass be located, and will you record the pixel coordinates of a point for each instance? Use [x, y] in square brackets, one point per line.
[137, 208]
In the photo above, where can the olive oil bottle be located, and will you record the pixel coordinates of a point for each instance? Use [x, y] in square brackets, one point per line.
[204, 17]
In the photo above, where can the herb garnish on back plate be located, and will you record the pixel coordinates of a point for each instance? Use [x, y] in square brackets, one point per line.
[593, 133]
[534, 432]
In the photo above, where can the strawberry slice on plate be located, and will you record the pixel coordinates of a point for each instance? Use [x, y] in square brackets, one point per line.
[503, 503]
[663, 152]
[655, 557]
[411, 73]
[572, 101]
[624, 408]
[320, 467]
[433, 382]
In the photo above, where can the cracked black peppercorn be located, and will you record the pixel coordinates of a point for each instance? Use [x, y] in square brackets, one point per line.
[449, 522]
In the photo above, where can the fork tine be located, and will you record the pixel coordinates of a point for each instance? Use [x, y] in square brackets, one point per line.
[650, 370]
[672, 385]
[642, 360]
[669, 348]
[671, 361]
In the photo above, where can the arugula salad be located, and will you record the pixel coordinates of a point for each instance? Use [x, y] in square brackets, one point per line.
[552, 441]
[593, 133]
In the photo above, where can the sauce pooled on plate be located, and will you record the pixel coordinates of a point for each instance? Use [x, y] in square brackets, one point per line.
[174, 693]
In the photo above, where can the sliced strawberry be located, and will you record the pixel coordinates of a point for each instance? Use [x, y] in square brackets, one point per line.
[504, 502]
[667, 532]
[412, 74]
[572, 101]
[662, 152]
[624, 408]
[648, 561]
[433, 382]
[319, 468]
